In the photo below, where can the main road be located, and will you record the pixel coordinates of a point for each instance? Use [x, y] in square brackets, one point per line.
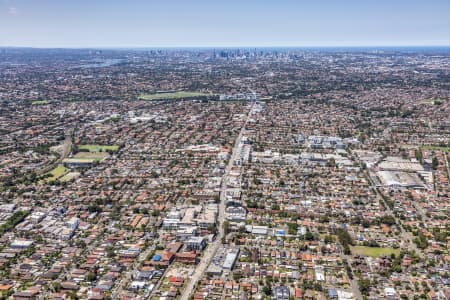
[214, 246]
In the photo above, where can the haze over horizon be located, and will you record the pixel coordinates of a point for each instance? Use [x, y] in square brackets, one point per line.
[286, 23]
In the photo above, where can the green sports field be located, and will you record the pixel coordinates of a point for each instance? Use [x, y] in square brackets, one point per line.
[99, 148]
[373, 251]
[96, 156]
[175, 95]
[56, 173]
[41, 102]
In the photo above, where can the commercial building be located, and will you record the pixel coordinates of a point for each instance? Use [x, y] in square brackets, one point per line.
[230, 259]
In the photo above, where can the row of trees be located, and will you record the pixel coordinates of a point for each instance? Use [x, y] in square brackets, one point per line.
[345, 239]
[12, 221]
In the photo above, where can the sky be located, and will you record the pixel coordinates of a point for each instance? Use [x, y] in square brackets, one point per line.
[223, 23]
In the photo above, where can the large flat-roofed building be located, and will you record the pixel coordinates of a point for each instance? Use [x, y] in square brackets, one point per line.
[313, 158]
[189, 215]
[202, 148]
[400, 180]
[230, 259]
[257, 230]
[78, 162]
[214, 270]
[171, 224]
[201, 216]
[236, 214]
[324, 142]
[187, 257]
[207, 219]
[196, 243]
[392, 163]
[186, 232]
[265, 157]
[21, 244]
[172, 220]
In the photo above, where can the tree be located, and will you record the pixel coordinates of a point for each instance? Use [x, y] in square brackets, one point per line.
[15, 219]
[267, 290]
[418, 154]
[110, 251]
[345, 239]
[292, 228]
[275, 207]
[72, 295]
[388, 220]
[328, 239]
[56, 286]
[91, 276]
[80, 244]
[237, 276]
[226, 227]
[309, 236]
[364, 285]
[421, 241]
[435, 163]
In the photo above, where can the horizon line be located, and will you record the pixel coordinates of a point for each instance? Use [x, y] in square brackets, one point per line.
[224, 47]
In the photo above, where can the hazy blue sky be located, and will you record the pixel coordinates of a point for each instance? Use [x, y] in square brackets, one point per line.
[170, 23]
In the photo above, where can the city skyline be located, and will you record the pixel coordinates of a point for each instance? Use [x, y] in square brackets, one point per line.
[149, 24]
